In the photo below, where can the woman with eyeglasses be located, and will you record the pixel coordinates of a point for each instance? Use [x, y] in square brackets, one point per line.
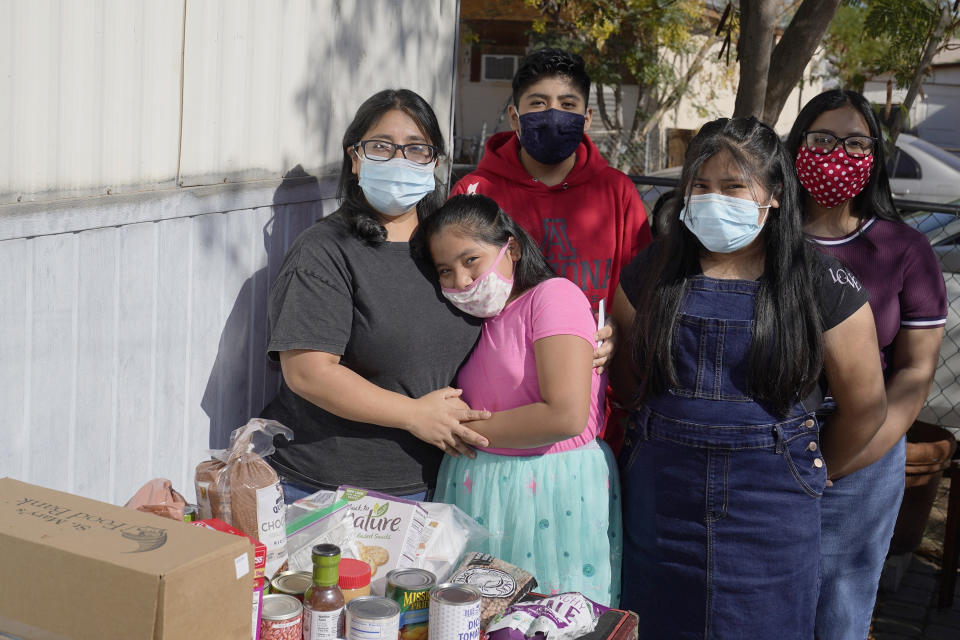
[849, 214]
[367, 344]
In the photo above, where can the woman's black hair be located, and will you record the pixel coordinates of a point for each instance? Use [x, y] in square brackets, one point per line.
[875, 199]
[361, 218]
[482, 219]
[786, 354]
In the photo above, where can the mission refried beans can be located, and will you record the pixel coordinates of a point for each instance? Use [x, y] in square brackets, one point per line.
[454, 612]
[373, 618]
[410, 588]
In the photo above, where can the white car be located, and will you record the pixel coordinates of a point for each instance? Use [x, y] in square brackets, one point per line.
[919, 170]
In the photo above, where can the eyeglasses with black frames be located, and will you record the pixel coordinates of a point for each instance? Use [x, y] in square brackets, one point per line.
[823, 143]
[381, 151]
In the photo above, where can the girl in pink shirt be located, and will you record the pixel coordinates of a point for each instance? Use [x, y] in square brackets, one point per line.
[546, 487]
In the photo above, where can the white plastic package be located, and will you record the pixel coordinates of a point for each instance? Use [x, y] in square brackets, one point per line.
[448, 534]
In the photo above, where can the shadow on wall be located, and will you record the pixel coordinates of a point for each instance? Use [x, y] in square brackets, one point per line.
[243, 380]
[373, 45]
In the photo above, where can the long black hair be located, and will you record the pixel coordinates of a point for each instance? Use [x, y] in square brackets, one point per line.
[875, 199]
[361, 218]
[482, 219]
[786, 354]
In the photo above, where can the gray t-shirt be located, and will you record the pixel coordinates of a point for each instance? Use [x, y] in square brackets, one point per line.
[381, 310]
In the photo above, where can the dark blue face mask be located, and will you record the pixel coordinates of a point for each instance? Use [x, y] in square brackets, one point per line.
[551, 136]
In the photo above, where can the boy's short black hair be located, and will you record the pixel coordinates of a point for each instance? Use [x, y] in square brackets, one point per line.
[547, 63]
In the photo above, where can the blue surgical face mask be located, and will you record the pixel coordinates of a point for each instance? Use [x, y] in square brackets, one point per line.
[394, 186]
[722, 224]
[551, 136]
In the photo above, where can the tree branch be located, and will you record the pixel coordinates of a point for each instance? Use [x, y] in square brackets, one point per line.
[757, 22]
[674, 97]
[602, 108]
[792, 54]
[933, 44]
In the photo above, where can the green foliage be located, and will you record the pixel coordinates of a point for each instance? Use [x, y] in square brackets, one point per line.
[906, 25]
[621, 41]
[854, 58]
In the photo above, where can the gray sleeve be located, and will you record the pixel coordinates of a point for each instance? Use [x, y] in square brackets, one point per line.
[309, 310]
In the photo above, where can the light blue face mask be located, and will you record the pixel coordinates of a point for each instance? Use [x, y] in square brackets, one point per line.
[394, 186]
[721, 223]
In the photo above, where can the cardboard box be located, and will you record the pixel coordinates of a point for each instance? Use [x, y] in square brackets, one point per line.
[77, 568]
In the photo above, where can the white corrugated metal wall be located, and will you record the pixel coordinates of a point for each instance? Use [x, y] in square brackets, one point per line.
[143, 217]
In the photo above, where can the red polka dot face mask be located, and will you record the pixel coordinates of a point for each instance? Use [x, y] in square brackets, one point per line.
[832, 178]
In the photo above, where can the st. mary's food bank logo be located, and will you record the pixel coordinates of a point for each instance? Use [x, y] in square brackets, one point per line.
[142, 538]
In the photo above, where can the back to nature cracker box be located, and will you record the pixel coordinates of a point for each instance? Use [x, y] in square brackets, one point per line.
[388, 531]
[82, 569]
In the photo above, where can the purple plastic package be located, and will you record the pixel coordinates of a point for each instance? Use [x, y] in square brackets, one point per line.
[564, 616]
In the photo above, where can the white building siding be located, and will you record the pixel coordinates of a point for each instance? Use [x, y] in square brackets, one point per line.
[129, 351]
[89, 96]
[133, 325]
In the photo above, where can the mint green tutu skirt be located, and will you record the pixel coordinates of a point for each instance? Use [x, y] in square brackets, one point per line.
[555, 515]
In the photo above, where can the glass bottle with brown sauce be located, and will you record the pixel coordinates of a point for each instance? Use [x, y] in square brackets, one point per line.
[323, 601]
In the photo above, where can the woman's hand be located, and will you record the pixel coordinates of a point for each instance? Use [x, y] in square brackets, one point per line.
[437, 419]
[605, 344]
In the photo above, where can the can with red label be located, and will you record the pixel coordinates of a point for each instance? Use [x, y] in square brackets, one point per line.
[454, 612]
[281, 618]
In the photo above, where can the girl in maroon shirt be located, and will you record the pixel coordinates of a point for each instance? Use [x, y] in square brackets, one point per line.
[849, 213]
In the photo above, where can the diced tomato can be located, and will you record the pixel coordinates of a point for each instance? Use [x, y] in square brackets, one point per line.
[281, 618]
[454, 612]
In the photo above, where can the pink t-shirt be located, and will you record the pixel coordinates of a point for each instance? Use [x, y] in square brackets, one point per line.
[501, 372]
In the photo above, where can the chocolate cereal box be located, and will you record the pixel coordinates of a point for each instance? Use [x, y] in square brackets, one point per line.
[388, 531]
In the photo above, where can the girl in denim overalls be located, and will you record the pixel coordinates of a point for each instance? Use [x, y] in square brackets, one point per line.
[731, 320]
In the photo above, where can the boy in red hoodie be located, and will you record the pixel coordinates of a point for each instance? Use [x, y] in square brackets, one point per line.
[547, 174]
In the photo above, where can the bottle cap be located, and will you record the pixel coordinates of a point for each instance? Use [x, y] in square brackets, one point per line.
[354, 574]
[326, 555]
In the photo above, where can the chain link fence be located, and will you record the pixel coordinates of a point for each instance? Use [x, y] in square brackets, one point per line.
[941, 225]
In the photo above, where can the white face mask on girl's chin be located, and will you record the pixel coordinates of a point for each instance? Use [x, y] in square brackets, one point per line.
[486, 296]
[394, 186]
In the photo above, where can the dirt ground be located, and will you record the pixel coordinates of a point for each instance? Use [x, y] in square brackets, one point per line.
[932, 546]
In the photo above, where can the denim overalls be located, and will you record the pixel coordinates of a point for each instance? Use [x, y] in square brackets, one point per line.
[721, 498]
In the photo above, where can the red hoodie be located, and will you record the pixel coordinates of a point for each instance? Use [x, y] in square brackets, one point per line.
[588, 227]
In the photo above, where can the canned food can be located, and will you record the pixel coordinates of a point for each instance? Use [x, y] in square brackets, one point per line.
[454, 612]
[292, 583]
[190, 513]
[281, 618]
[410, 588]
[373, 618]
